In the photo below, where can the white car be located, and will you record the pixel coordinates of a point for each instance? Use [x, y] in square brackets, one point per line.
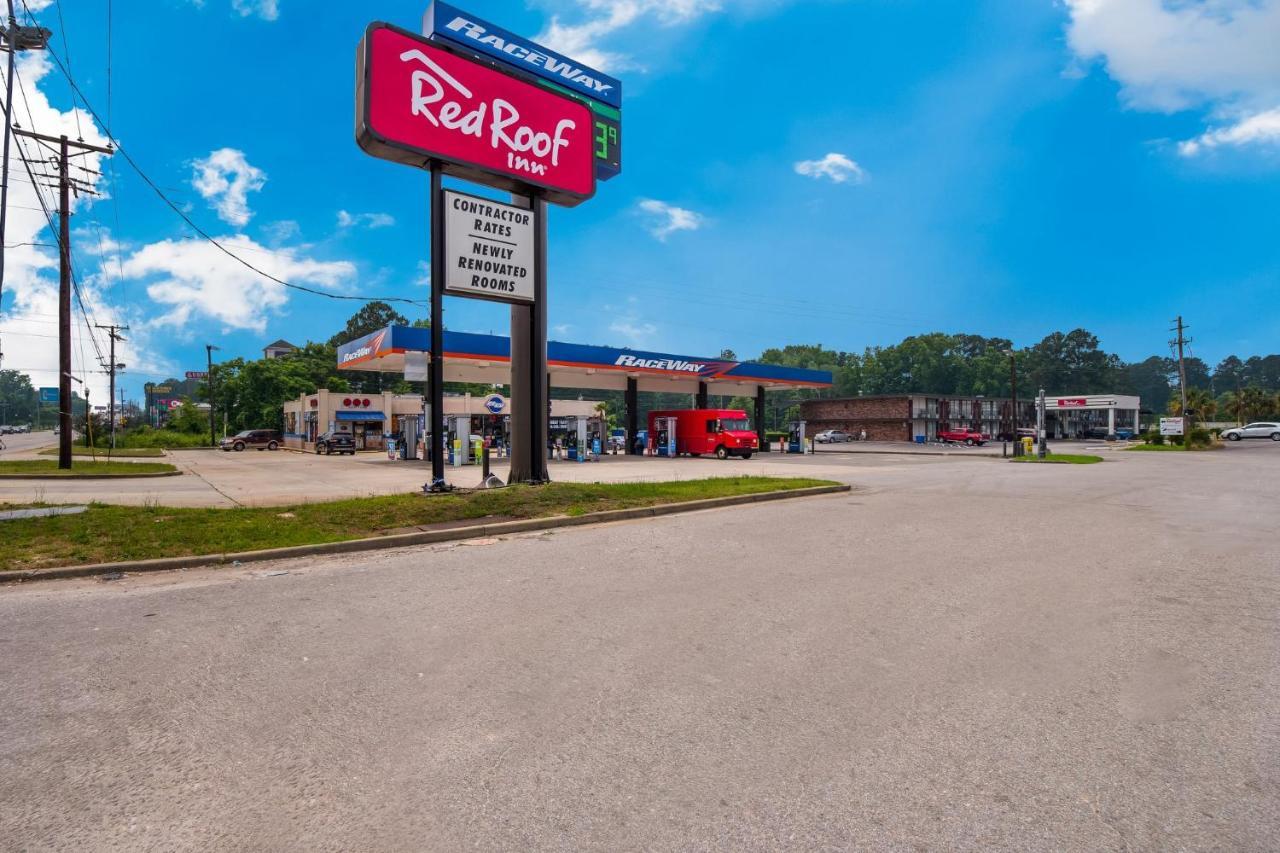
[830, 436]
[1260, 429]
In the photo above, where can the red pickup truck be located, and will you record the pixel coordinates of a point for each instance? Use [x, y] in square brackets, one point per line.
[969, 437]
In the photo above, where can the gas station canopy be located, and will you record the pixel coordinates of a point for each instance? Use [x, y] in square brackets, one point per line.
[487, 358]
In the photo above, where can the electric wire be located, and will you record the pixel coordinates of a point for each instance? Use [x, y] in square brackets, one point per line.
[66, 72]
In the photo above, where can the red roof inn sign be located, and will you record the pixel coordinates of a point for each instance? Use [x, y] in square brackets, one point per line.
[417, 102]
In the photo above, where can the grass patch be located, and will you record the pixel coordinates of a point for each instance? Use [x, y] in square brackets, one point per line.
[1062, 458]
[49, 468]
[112, 533]
[118, 453]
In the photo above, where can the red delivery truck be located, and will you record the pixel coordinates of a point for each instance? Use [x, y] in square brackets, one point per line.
[724, 432]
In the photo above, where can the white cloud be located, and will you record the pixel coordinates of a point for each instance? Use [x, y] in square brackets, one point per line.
[365, 220]
[1262, 128]
[835, 167]
[267, 10]
[562, 329]
[606, 17]
[666, 219]
[29, 322]
[1173, 56]
[225, 178]
[282, 231]
[635, 332]
[193, 278]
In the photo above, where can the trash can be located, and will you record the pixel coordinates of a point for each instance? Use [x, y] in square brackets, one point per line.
[1028, 445]
[920, 439]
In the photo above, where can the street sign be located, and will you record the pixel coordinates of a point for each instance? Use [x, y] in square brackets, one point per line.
[1171, 426]
[197, 374]
[417, 102]
[443, 21]
[48, 395]
[488, 249]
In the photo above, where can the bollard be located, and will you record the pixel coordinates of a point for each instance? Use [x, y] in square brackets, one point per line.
[484, 472]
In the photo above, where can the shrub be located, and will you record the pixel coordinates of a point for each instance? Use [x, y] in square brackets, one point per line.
[1201, 437]
[148, 437]
[1216, 431]
[1153, 438]
[1175, 439]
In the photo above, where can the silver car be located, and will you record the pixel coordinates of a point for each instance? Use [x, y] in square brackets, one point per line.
[1259, 429]
[831, 436]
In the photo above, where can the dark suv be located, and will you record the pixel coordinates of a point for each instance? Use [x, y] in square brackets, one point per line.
[259, 439]
[330, 443]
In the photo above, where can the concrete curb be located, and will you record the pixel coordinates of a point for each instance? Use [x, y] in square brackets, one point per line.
[425, 537]
[142, 476]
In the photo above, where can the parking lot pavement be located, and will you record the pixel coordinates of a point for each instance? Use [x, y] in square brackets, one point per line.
[263, 478]
[955, 656]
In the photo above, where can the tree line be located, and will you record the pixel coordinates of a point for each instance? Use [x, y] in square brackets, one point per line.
[248, 393]
[1062, 363]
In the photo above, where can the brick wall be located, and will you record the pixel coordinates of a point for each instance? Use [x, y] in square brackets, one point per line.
[884, 418]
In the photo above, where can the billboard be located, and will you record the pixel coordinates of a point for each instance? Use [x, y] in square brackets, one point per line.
[417, 102]
[48, 395]
[1171, 426]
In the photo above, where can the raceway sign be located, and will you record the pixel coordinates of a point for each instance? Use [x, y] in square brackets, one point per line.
[675, 365]
[447, 22]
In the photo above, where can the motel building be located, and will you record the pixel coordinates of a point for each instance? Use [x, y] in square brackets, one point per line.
[908, 417]
[486, 359]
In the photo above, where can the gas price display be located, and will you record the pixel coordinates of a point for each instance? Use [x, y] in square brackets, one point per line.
[608, 139]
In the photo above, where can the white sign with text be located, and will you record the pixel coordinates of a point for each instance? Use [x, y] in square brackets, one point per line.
[488, 249]
[1171, 426]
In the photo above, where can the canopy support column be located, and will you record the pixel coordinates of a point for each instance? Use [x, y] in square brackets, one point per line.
[632, 405]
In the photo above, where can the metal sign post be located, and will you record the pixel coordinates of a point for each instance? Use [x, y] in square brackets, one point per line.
[435, 429]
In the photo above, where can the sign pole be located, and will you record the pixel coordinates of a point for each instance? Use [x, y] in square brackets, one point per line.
[540, 402]
[436, 426]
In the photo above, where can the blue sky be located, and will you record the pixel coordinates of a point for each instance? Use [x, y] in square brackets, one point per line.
[843, 173]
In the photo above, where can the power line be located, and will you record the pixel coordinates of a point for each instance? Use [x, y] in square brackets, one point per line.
[187, 219]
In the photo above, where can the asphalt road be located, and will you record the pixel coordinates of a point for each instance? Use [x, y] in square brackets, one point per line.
[24, 444]
[958, 655]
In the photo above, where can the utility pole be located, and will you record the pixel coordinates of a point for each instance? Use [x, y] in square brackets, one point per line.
[1013, 406]
[1181, 341]
[65, 187]
[213, 429]
[113, 333]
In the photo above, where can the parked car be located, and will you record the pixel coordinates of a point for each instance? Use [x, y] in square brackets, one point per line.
[1259, 429]
[258, 439]
[329, 443]
[1124, 434]
[832, 436]
[5, 429]
[969, 437]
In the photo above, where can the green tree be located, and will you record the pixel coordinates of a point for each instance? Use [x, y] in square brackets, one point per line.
[17, 398]
[369, 319]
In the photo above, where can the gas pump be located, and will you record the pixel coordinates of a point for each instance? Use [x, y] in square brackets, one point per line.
[582, 439]
[664, 438]
[796, 440]
[460, 439]
[409, 429]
